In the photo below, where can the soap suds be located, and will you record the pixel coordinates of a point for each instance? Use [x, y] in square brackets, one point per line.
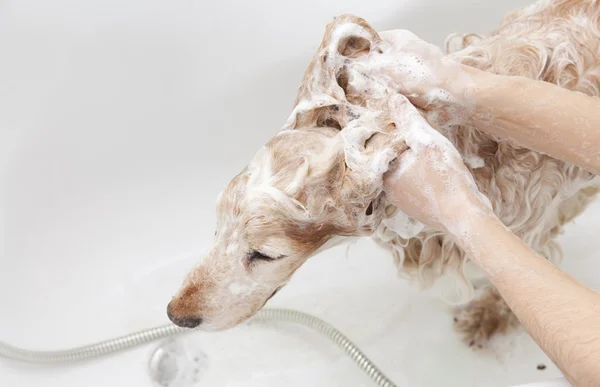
[474, 161]
[404, 225]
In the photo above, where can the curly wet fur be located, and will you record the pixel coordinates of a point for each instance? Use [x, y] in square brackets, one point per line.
[321, 177]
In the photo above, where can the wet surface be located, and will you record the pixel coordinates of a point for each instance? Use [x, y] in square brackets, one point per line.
[177, 363]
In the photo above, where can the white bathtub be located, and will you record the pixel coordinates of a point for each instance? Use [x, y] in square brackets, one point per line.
[121, 120]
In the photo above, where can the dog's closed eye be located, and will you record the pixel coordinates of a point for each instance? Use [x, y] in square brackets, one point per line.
[255, 256]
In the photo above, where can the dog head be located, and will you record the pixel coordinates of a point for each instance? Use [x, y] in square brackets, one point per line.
[320, 178]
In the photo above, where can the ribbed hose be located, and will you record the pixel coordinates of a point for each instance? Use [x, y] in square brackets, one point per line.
[136, 339]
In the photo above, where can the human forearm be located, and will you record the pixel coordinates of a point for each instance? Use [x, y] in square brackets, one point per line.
[562, 315]
[537, 115]
[430, 183]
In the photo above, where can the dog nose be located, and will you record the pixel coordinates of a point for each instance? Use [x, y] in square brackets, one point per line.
[185, 321]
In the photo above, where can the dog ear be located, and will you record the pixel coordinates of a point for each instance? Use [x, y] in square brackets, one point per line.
[331, 96]
[322, 99]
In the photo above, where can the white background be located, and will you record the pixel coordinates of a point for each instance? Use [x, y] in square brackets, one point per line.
[121, 120]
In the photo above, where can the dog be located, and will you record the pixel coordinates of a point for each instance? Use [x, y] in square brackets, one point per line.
[320, 179]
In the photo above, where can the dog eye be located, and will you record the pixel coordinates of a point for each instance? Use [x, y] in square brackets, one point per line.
[258, 256]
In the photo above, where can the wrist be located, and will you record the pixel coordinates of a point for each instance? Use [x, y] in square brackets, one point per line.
[473, 91]
[462, 219]
[457, 104]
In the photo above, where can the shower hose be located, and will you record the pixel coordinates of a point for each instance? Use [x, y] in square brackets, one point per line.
[142, 337]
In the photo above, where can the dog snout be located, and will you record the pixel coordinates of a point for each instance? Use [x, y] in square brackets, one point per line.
[182, 321]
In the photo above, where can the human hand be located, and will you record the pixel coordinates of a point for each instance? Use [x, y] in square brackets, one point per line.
[429, 181]
[431, 80]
